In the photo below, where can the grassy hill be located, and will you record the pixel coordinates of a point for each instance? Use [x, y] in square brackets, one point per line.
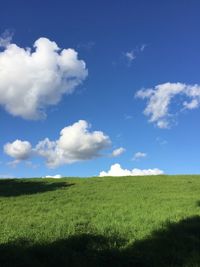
[111, 221]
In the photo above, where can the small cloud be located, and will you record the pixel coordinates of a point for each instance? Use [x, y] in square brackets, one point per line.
[161, 141]
[119, 135]
[142, 47]
[57, 176]
[130, 56]
[116, 170]
[19, 150]
[128, 117]
[139, 155]
[31, 164]
[6, 38]
[13, 163]
[117, 152]
[86, 46]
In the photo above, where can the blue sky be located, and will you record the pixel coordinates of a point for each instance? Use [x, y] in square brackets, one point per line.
[138, 55]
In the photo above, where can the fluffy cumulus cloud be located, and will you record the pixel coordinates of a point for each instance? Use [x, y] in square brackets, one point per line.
[117, 152]
[139, 155]
[30, 80]
[19, 150]
[76, 143]
[116, 170]
[160, 97]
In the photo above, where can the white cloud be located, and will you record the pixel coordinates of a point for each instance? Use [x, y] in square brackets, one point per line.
[19, 150]
[6, 38]
[31, 80]
[57, 176]
[142, 47]
[192, 104]
[75, 143]
[116, 170]
[139, 155]
[160, 97]
[117, 152]
[130, 56]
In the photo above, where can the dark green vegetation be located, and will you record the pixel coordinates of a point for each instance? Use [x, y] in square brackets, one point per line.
[123, 221]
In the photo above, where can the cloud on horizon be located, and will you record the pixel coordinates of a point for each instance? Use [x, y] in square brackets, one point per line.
[32, 80]
[160, 97]
[116, 170]
[57, 176]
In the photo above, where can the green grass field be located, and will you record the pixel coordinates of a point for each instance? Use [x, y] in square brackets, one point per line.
[111, 221]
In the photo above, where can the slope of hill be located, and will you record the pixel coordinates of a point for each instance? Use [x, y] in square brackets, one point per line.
[110, 221]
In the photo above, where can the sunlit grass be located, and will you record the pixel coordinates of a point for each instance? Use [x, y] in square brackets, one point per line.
[122, 210]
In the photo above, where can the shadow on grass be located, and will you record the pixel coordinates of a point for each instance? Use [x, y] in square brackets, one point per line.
[198, 203]
[17, 187]
[177, 244]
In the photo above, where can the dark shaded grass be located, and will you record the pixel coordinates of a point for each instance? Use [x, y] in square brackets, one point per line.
[17, 187]
[175, 245]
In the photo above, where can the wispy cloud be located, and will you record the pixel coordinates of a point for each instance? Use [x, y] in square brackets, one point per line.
[131, 55]
[161, 141]
[142, 47]
[139, 155]
[6, 38]
[86, 45]
[128, 117]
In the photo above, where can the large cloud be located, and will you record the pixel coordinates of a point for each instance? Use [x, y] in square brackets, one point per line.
[19, 150]
[160, 97]
[75, 143]
[116, 170]
[32, 80]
